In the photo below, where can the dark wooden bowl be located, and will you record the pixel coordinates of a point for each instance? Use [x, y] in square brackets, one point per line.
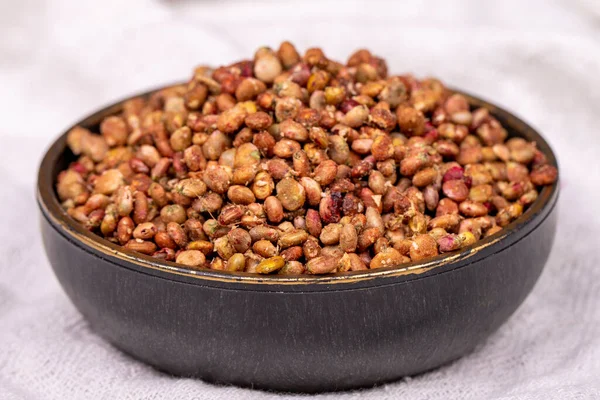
[304, 333]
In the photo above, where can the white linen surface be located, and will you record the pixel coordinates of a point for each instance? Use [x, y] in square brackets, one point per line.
[60, 60]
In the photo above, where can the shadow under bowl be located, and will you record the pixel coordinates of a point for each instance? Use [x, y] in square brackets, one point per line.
[297, 333]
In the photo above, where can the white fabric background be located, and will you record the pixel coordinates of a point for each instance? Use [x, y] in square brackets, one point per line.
[60, 60]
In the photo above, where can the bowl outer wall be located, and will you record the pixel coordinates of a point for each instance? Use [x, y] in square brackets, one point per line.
[299, 341]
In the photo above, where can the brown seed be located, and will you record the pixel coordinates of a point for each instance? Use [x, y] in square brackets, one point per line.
[249, 88]
[173, 213]
[244, 175]
[425, 177]
[114, 130]
[330, 207]
[418, 223]
[273, 209]
[485, 222]
[312, 189]
[243, 136]
[377, 182]
[145, 231]
[177, 234]
[362, 146]
[383, 118]
[270, 265]
[313, 222]
[330, 234]
[218, 264]
[456, 190]
[348, 238]
[293, 130]
[277, 168]
[93, 146]
[374, 219]
[431, 197]
[240, 195]
[286, 148]
[339, 151]
[191, 258]
[511, 191]
[224, 248]
[264, 248]
[231, 120]
[445, 221]
[109, 223]
[301, 163]
[292, 268]
[214, 229]
[163, 240]
[481, 193]
[467, 239]
[156, 192]
[410, 120]
[194, 158]
[215, 145]
[471, 208]
[300, 222]
[263, 185]
[470, 225]
[125, 229]
[446, 206]
[286, 226]
[246, 155]
[217, 179]
[140, 210]
[311, 248]
[543, 175]
[356, 117]
[325, 172]
[181, 139]
[70, 185]
[449, 242]
[264, 232]
[423, 246]
[240, 239]
[288, 55]
[321, 265]
[191, 187]
[388, 257]
[293, 253]
[528, 198]
[292, 238]
[230, 214]
[141, 246]
[193, 228]
[367, 238]
[210, 202]
[267, 67]
[74, 139]
[258, 121]
[491, 132]
[382, 147]
[291, 194]
[351, 262]
[108, 182]
[516, 172]
[204, 246]
[412, 164]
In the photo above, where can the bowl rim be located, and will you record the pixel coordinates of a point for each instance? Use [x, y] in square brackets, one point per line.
[74, 232]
